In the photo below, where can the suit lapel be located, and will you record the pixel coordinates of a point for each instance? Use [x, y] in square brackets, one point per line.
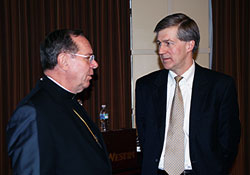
[159, 101]
[199, 97]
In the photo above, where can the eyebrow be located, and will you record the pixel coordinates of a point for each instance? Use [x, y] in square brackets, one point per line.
[164, 41]
[168, 40]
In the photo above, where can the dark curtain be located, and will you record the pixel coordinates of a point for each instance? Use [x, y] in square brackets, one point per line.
[231, 54]
[24, 24]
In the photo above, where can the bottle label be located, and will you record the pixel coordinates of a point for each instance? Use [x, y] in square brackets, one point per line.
[102, 116]
[106, 116]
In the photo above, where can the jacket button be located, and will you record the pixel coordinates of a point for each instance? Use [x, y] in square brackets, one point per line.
[156, 160]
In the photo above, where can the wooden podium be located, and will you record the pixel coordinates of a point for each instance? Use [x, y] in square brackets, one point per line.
[121, 146]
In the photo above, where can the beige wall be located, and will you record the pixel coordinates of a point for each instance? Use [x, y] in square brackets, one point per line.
[145, 15]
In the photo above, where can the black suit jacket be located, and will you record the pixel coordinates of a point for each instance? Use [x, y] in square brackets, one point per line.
[214, 130]
[45, 136]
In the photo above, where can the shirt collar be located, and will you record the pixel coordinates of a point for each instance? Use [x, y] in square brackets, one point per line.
[59, 84]
[188, 76]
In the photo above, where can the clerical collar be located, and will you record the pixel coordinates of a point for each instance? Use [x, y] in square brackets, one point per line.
[59, 84]
[55, 88]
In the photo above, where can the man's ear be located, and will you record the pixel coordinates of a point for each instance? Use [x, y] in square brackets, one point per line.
[62, 61]
[190, 45]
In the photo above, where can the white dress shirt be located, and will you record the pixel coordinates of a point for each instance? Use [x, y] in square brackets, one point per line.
[186, 85]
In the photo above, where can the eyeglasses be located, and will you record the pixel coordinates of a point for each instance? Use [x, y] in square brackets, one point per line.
[91, 57]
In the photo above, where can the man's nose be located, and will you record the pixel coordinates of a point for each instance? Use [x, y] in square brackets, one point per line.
[94, 64]
[162, 49]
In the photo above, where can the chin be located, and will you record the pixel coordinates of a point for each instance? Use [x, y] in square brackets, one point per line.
[167, 67]
[86, 85]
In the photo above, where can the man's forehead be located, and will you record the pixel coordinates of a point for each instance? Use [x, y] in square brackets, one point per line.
[81, 41]
[167, 34]
[83, 45]
[79, 38]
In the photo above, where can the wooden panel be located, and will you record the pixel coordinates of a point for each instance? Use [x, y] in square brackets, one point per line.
[121, 146]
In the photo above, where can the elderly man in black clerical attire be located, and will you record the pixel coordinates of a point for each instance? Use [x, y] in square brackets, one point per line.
[50, 132]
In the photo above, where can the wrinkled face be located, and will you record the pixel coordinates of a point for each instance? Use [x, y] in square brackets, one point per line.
[175, 54]
[80, 68]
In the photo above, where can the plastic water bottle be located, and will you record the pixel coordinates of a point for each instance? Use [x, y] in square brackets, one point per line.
[104, 116]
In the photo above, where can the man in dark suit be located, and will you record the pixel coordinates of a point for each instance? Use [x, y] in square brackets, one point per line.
[50, 132]
[209, 134]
